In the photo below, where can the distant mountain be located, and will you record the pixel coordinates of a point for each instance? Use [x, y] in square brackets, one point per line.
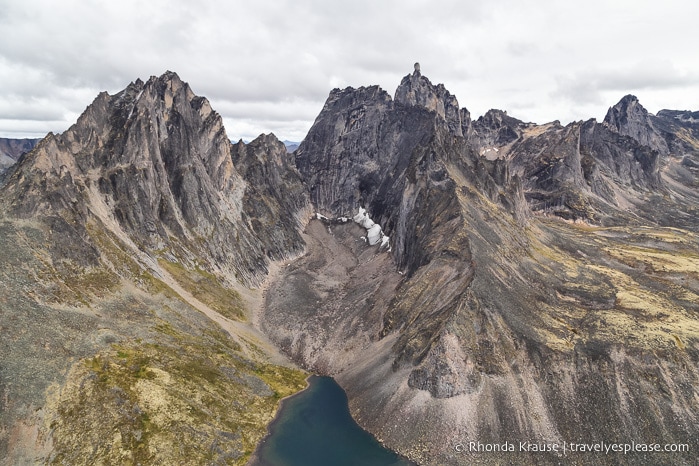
[12, 149]
[465, 280]
[291, 145]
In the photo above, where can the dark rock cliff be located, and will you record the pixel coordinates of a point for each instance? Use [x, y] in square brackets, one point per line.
[275, 198]
[672, 133]
[583, 170]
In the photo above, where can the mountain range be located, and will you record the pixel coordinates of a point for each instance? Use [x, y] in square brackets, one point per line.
[485, 280]
[12, 149]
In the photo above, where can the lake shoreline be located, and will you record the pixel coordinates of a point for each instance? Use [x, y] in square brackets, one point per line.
[275, 420]
[317, 429]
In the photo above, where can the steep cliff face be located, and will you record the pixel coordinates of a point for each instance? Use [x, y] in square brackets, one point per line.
[275, 202]
[681, 130]
[675, 136]
[671, 133]
[494, 130]
[128, 246]
[681, 167]
[492, 320]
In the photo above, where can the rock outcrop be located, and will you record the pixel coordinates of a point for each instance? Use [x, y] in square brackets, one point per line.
[584, 171]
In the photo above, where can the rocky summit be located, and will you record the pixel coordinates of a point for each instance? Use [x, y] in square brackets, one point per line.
[468, 282]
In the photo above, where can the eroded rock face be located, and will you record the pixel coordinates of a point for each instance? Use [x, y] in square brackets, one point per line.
[275, 201]
[155, 160]
[495, 129]
[583, 170]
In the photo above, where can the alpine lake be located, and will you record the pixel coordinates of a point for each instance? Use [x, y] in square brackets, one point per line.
[315, 428]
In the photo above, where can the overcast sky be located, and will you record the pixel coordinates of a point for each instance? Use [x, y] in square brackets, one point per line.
[268, 66]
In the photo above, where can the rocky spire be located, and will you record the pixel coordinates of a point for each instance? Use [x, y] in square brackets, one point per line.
[417, 90]
[629, 118]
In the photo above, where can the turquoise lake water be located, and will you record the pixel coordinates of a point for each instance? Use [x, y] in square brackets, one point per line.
[315, 428]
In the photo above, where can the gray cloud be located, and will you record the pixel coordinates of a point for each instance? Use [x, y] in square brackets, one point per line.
[590, 85]
[267, 66]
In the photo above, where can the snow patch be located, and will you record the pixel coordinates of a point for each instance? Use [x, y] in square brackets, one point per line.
[135, 101]
[363, 219]
[384, 241]
[686, 119]
[374, 233]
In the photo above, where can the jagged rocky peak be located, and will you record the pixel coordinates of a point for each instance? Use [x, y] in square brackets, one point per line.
[265, 161]
[155, 163]
[344, 145]
[156, 111]
[275, 198]
[630, 118]
[494, 129]
[627, 111]
[416, 90]
[495, 119]
[358, 95]
[627, 108]
[153, 132]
